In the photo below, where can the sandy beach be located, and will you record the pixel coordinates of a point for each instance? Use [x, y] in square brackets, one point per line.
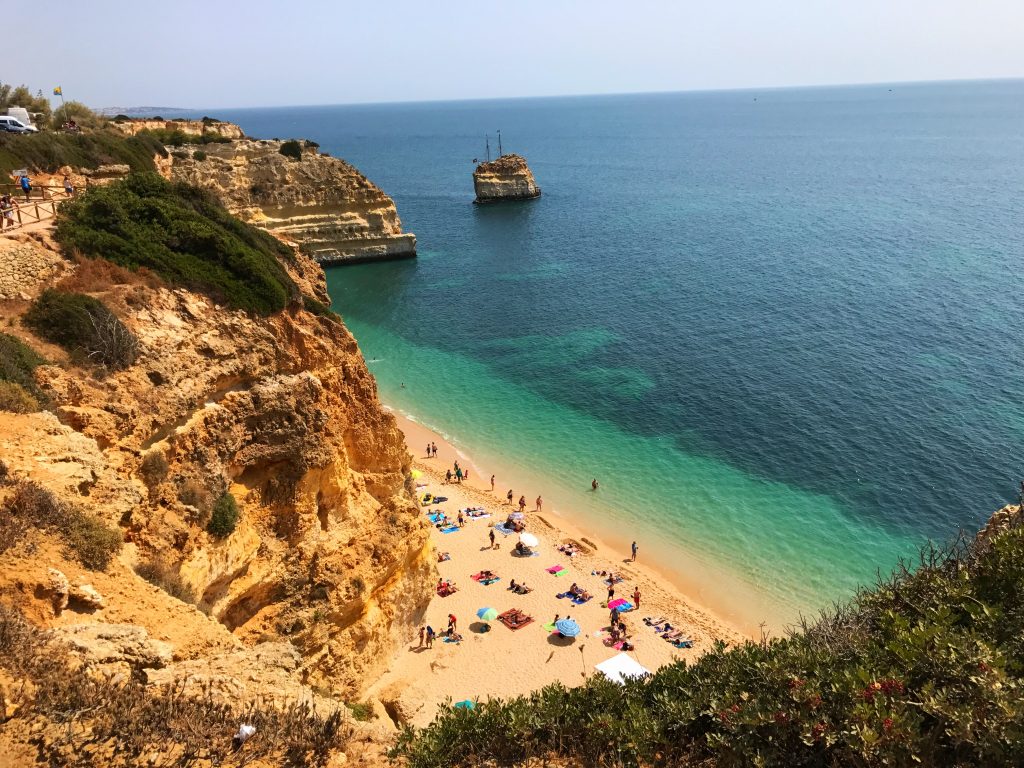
[501, 662]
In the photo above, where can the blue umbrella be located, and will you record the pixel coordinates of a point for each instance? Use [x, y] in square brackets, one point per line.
[567, 627]
[489, 614]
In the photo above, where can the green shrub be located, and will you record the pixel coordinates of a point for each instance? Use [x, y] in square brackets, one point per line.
[224, 517]
[176, 137]
[925, 669]
[360, 710]
[291, 149]
[184, 235]
[18, 391]
[83, 326]
[15, 399]
[160, 574]
[87, 539]
[199, 155]
[48, 152]
[318, 308]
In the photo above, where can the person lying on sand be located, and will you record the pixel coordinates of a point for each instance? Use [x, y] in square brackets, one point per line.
[487, 575]
[579, 593]
[567, 549]
[443, 556]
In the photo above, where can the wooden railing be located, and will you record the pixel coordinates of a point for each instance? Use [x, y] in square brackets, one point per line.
[41, 205]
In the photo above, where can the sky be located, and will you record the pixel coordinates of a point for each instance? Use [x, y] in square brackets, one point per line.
[216, 53]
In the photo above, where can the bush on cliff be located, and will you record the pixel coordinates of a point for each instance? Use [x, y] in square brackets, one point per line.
[87, 539]
[224, 517]
[17, 362]
[291, 149]
[182, 234]
[926, 669]
[84, 326]
[175, 137]
[48, 152]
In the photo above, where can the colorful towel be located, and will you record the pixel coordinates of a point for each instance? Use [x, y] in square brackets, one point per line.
[554, 569]
[506, 619]
[480, 577]
[582, 600]
[450, 529]
[501, 528]
[620, 603]
[562, 572]
[550, 627]
[435, 517]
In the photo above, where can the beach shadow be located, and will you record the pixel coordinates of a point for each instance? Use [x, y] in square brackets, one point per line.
[418, 649]
[480, 627]
[562, 642]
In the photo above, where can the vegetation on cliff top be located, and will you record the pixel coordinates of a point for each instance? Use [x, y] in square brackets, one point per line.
[182, 234]
[48, 152]
[84, 326]
[176, 137]
[926, 669]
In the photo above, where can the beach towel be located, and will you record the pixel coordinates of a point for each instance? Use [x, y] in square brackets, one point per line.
[582, 600]
[451, 640]
[450, 529]
[555, 569]
[479, 516]
[550, 627]
[683, 643]
[621, 605]
[471, 511]
[506, 619]
[439, 499]
[502, 528]
[435, 517]
[562, 572]
[452, 591]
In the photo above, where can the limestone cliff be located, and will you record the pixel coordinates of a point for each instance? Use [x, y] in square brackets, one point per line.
[189, 127]
[330, 553]
[507, 178]
[334, 213]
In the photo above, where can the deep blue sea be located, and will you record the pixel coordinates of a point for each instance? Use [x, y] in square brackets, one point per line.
[784, 328]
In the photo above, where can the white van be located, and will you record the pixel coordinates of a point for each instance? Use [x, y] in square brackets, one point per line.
[14, 125]
[21, 115]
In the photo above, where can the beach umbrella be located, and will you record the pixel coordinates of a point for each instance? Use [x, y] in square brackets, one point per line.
[416, 474]
[567, 627]
[489, 614]
[517, 516]
[529, 539]
[466, 704]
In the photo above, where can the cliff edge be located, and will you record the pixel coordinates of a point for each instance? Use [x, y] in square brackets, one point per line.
[507, 178]
[328, 208]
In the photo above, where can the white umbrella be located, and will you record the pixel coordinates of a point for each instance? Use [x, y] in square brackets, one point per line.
[517, 515]
[529, 539]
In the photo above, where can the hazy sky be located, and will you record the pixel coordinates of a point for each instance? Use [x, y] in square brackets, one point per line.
[210, 53]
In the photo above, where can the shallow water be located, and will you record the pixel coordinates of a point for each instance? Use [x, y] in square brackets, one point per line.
[783, 328]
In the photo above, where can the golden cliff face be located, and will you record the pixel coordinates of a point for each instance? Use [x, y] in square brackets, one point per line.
[190, 127]
[333, 212]
[507, 178]
[330, 553]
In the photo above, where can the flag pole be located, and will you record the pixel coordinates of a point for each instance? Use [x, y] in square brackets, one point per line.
[60, 92]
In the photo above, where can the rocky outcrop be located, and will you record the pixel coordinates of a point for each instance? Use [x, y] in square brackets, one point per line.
[188, 127]
[330, 552]
[334, 213]
[25, 265]
[507, 178]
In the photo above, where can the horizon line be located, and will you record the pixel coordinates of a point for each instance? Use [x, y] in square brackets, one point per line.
[732, 89]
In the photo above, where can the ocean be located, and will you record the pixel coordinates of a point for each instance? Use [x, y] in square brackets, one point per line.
[782, 328]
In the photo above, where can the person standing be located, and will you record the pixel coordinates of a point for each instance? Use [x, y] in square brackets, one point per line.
[434, 446]
[611, 592]
[491, 537]
[7, 206]
[448, 476]
[634, 548]
[428, 450]
[452, 621]
[540, 503]
[636, 598]
[26, 186]
[422, 630]
[492, 484]
[458, 473]
[522, 504]
[69, 188]
[509, 496]
[430, 636]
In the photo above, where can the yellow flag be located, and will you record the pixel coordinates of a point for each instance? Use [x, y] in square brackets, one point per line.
[57, 91]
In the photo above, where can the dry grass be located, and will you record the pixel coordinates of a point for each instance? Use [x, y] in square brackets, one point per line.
[98, 275]
[89, 721]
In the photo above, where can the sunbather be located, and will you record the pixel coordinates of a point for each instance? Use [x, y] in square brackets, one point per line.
[522, 589]
[443, 556]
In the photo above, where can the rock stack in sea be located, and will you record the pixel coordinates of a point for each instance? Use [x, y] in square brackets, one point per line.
[324, 205]
[507, 178]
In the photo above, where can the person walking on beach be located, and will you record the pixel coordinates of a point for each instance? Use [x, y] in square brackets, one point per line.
[421, 637]
[634, 548]
[458, 473]
[428, 450]
[434, 447]
[509, 496]
[491, 537]
[540, 503]
[636, 598]
[492, 484]
[448, 476]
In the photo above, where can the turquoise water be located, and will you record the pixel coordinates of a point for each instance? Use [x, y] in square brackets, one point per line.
[782, 328]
